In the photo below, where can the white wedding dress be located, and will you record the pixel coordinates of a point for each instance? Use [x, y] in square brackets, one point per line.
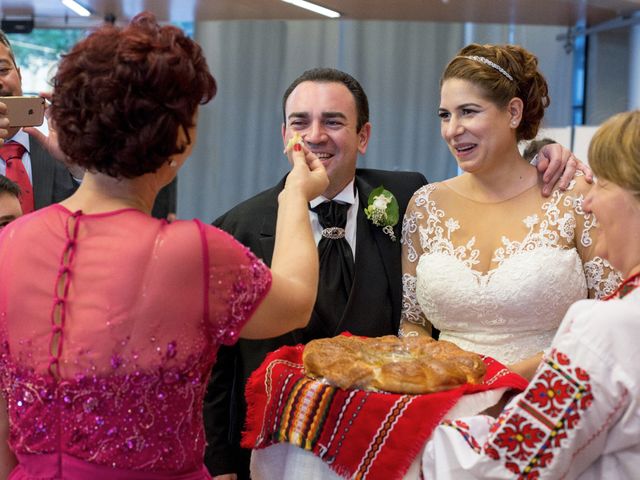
[497, 278]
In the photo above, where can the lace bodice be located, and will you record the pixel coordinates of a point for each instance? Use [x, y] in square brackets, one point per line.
[109, 329]
[498, 278]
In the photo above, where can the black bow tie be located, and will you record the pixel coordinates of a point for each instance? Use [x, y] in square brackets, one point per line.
[333, 219]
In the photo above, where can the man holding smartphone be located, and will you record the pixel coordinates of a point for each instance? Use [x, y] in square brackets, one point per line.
[34, 160]
[41, 178]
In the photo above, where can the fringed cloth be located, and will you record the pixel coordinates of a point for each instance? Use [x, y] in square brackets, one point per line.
[359, 434]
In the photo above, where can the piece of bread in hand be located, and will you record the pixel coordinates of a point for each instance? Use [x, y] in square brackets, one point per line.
[292, 141]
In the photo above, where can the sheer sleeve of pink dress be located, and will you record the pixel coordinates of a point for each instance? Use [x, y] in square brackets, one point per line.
[109, 326]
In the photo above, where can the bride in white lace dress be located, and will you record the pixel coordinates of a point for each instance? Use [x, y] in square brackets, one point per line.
[488, 260]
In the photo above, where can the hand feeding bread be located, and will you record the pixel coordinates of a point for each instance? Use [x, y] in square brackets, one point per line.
[412, 365]
[297, 138]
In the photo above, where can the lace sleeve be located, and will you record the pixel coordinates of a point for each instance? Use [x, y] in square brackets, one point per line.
[602, 278]
[236, 283]
[412, 320]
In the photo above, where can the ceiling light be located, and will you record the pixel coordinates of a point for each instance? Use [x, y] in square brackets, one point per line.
[76, 7]
[314, 8]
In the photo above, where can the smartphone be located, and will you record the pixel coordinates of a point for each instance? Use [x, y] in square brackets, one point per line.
[24, 111]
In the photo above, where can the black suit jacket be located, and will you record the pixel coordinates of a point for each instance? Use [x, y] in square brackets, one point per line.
[52, 183]
[373, 308]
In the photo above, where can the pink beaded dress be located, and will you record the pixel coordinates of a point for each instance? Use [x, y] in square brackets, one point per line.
[109, 326]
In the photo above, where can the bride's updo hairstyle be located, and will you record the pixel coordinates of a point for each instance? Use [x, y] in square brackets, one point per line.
[504, 72]
[614, 151]
[122, 94]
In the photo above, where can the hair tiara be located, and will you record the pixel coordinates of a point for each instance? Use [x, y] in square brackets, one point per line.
[488, 62]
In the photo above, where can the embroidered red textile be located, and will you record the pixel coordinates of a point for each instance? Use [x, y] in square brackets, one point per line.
[359, 434]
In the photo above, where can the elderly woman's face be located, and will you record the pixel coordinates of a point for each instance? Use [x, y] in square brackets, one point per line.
[618, 214]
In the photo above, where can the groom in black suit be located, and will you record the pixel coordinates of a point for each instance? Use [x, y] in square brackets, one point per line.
[330, 110]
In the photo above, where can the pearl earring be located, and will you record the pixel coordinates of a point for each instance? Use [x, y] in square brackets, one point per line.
[173, 163]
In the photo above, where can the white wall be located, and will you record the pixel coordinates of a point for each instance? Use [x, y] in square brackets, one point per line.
[581, 139]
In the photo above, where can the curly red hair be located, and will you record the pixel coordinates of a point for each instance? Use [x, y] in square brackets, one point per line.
[121, 96]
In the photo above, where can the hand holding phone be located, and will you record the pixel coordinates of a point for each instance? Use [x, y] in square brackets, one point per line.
[24, 111]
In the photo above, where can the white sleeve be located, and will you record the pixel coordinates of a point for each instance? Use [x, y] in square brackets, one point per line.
[561, 425]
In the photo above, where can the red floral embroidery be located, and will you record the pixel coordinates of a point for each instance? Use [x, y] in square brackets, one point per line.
[461, 424]
[571, 419]
[550, 409]
[545, 458]
[463, 429]
[527, 473]
[519, 437]
[513, 467]
[556, 438]
[582, 375]
[561, 358]
[500, 420]
[550, 392]
[497, 424]
[491, 452]
[585, 401]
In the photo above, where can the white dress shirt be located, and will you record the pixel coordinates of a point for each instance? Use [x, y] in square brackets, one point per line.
[347, 195]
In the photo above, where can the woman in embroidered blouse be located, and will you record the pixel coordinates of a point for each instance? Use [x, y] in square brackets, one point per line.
[487, 260]
[109, 328]
[580, 415]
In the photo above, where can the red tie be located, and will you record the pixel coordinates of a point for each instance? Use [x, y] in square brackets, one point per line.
[11, 153]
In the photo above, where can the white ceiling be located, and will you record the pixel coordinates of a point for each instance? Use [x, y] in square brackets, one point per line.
[558, 12]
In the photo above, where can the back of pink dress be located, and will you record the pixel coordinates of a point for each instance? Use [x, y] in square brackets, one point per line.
[109, 326]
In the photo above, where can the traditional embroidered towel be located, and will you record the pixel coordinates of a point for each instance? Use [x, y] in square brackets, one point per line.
[359, 434]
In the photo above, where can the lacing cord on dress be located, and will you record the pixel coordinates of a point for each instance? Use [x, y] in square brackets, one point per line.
[63, 280]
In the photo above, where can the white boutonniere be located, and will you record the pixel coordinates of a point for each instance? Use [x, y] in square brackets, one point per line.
[383, 210]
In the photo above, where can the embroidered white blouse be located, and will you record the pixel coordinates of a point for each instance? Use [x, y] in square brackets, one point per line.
[579, 417]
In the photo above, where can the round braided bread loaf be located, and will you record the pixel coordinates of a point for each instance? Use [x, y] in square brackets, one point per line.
[412, 365]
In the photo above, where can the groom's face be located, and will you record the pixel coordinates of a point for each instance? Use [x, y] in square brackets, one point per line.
[324, 114]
